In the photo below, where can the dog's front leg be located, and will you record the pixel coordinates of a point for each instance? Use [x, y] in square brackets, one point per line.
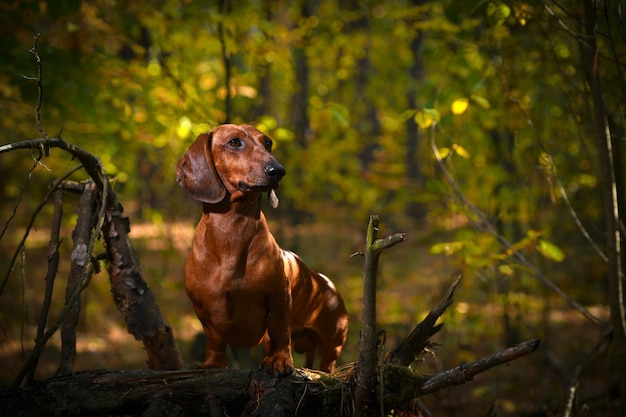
[215, 350]
[278, 359]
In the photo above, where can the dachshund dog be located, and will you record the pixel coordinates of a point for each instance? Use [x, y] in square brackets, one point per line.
[245, 289]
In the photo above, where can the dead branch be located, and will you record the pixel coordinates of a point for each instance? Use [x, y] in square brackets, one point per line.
[464, 373]
[80, 258]
[221, 392]
[53, 266]
[364, 377]
[134, 298]
[415, 342]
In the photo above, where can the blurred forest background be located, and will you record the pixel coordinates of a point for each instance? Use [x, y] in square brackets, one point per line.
[491, 132]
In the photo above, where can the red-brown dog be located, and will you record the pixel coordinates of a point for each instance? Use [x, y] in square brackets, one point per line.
[245, 289]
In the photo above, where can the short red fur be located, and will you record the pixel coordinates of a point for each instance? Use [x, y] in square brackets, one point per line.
[245, 289]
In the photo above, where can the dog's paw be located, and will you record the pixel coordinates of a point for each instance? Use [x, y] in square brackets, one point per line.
[278, 365]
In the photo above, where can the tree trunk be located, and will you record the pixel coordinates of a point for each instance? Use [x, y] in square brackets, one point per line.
[134, 298]
[591, 64]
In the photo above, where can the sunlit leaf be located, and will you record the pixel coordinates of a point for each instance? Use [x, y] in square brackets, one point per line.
[459, 106]
[523, 13]
[154, 68]
[283, 134]
[184, 127]
[550, 251]
[447, 248]
[472, 248]
[444, 152]
[267, 123]
[466, 247]
[461, 151]
[497, 12]
[505, 270]
[426, 117]
[545, 160]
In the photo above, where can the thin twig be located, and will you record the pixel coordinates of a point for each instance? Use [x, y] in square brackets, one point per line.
[33, 50]
[574, 215]
[29, 226]
[603, 338]
[17, 202]
[53, 266]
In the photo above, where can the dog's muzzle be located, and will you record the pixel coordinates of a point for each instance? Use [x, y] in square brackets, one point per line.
[274, 171]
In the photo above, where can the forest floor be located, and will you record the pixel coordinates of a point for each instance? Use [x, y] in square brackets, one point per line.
[482, 320]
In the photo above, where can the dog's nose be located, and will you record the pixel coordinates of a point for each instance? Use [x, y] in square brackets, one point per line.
[274, 170]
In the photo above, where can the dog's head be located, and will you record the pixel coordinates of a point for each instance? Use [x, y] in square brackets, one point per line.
[232, 158]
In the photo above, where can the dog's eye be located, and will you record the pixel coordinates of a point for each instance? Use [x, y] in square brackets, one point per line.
[235, 143]
[268, 144]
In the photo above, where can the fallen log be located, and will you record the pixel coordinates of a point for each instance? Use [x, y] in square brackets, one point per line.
[229, 392]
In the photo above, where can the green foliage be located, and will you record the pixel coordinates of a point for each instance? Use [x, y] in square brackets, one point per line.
[351, 95]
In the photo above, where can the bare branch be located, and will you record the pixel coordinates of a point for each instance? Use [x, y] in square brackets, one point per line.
[53, 266]
[33, 50]
[466, 372]
[364, 376]
[17, 203]
[415, 342]
[55, 185]
[80, 258]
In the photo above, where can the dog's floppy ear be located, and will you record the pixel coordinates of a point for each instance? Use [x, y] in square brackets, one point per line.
[196, 172]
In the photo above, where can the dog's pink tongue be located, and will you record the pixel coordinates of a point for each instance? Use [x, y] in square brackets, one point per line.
[273, 199]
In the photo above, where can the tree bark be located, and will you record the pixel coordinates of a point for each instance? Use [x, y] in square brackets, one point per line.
[134, 298]
[228, 392]
[80, 260]
[365, 375]
[201, 392]
[53, 267]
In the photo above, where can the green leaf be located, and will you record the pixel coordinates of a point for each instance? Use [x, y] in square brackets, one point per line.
[406, 115]
[426, 118]
[447, 248]
[461, 151]
[550, 251]
[505, 270]
[497, 13]
[481, 101]
[444, 152]
[340, 113]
